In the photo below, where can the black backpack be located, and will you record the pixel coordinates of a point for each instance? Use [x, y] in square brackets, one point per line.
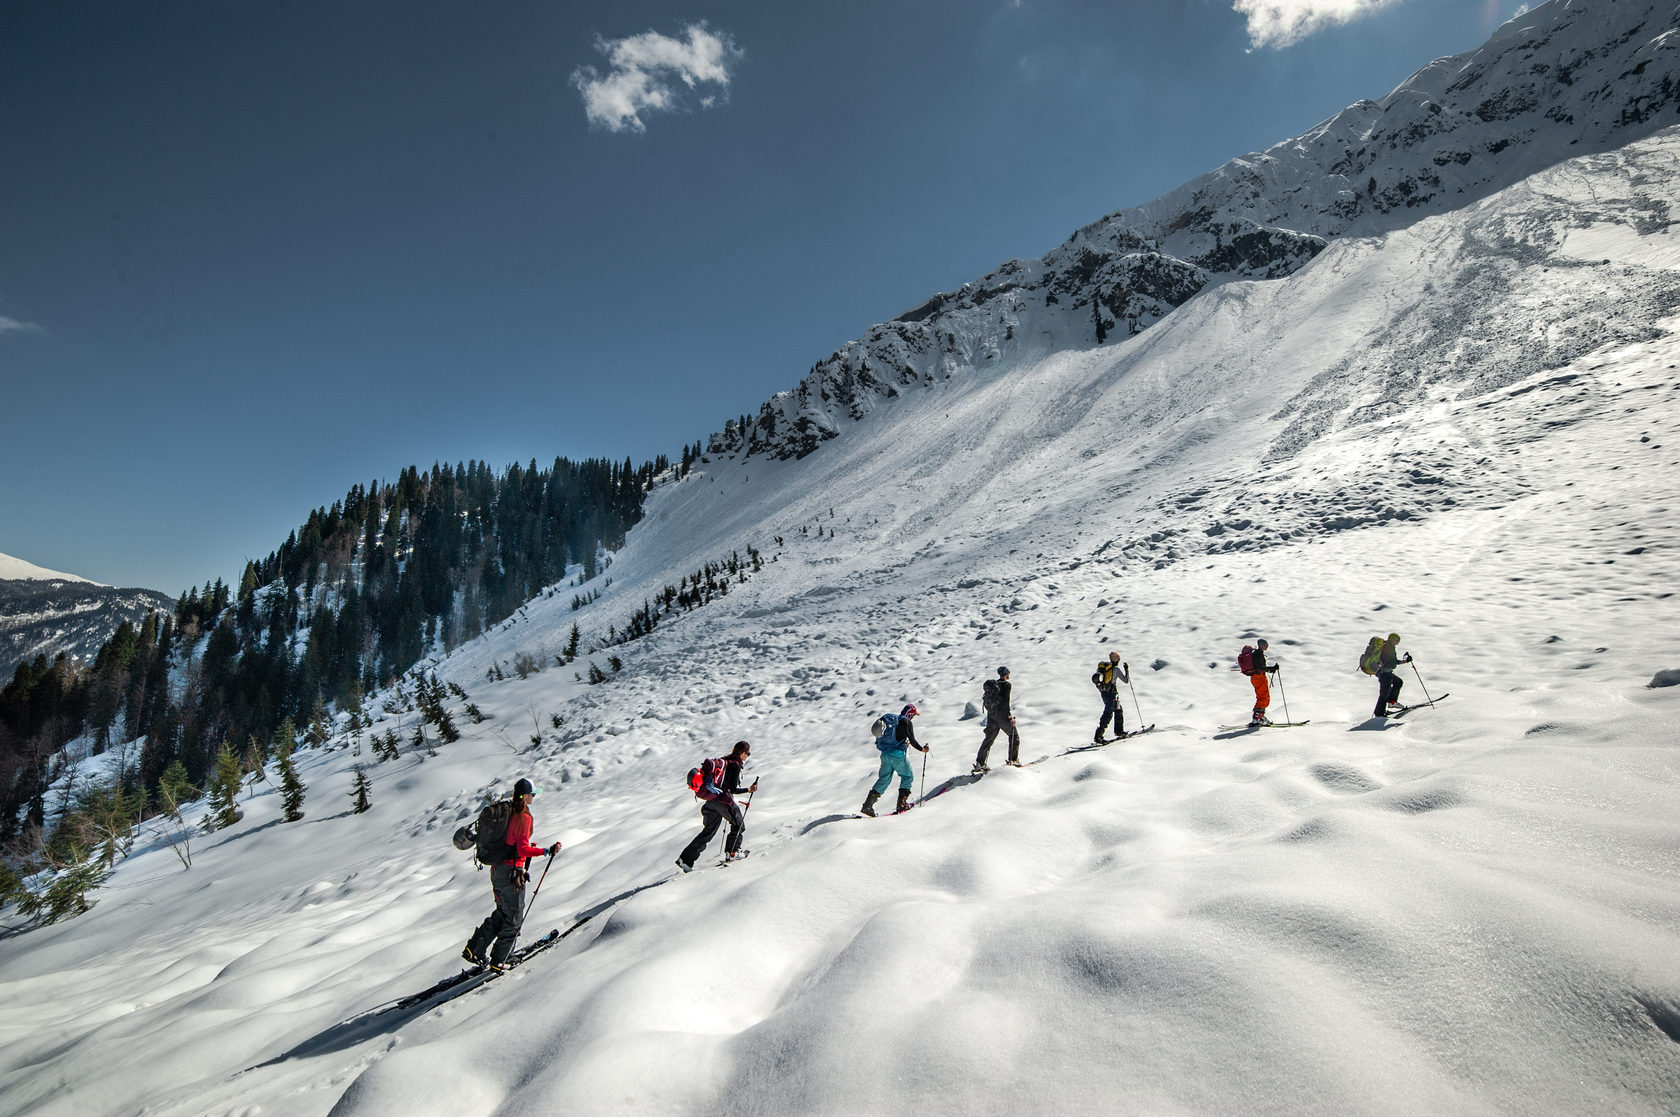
[490, 833]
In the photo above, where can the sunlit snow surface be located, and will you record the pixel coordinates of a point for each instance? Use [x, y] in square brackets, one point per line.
[1471, 909]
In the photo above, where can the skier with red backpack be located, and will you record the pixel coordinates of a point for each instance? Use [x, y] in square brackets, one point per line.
[1252, 662]
[506, 849]
[717, 782]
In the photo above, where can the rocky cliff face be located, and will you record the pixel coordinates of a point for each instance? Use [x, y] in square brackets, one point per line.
[1567, 79]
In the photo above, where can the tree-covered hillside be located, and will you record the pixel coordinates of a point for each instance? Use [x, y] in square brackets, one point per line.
[351, 600]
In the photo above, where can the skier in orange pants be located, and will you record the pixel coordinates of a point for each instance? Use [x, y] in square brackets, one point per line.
[1258, 670]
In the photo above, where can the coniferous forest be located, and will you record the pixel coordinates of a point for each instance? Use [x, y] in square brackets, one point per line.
[351, 600]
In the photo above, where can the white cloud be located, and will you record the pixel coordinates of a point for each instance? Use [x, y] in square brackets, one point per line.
[1282, 23]
[650, 73]
[13, 326]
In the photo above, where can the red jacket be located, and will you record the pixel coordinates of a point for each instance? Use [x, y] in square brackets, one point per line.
[519, 837]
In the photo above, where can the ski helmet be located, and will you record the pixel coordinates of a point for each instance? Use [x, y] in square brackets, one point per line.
[909, 711]
[523, 787]
[1003, 672]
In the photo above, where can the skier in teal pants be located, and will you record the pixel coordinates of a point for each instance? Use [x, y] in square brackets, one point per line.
[894, 744]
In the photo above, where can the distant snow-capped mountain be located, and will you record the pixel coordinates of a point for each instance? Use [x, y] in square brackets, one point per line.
[16, 570]
[1569, 78]
[44, 612]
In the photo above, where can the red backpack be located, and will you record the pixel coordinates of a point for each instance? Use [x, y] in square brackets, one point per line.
[1245, 661]
[710, 771]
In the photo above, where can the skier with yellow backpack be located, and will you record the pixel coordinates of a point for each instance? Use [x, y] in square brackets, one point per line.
[1380, 659]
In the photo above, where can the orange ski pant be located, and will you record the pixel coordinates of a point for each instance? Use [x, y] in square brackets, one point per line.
[1262, 693]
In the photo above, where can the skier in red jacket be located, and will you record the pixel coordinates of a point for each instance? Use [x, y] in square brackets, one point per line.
[507, 880]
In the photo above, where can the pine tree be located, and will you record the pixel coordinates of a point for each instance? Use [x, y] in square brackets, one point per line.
[320, 729]
[359, 792]
[285, 735]
[225, 781]
[291, 788]
[175, 787]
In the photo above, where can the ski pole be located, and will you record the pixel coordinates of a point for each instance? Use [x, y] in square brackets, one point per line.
[1135, 705]
[538, 888]
[753, 790]
[1425, 689]
[1283, 694]
[923, 795]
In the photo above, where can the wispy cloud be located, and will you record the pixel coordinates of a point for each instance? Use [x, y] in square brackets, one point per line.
[13, 326]
[1282, 23]
[651, 73]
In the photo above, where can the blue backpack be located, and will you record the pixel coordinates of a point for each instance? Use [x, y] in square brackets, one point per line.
[886, 733]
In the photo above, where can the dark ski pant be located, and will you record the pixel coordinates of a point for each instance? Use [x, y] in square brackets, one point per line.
[508, 882]
[1388, 690]
[1111, 709]
[993, 728]
[714, 814]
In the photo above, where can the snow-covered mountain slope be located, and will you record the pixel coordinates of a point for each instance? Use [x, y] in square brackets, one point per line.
[1569, 78]
[15, 569]
[1467, 431]
[48, 613]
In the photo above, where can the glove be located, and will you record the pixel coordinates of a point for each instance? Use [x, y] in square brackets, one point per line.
[1408, 657]
[521, 878]
[553, 849]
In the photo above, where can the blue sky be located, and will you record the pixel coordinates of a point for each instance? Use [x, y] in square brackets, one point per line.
[254, 253]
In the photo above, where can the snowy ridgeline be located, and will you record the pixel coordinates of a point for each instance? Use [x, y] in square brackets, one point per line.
[43, 617]
[1467, 431]
[1569, 78]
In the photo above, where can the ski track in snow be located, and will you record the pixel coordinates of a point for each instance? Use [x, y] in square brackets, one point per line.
[1470, 910]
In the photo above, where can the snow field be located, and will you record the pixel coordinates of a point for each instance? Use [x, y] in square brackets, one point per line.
[1469, 909]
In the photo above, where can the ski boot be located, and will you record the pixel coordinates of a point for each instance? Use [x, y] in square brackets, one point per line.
[904, 803]
[473, 958]
[979, 769]
[684, 866]
[869, 802]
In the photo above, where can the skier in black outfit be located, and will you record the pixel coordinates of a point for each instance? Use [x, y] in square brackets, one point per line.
[721, 807]
[999, 719]
[1110, 673]
[1388, 682]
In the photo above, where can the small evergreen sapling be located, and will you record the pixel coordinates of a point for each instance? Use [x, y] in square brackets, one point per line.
[225, 781]
[291, 788]
[359, 792]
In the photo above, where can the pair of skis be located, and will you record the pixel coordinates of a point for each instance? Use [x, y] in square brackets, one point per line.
[474, 976]
[1150, 728]
[1394, 713]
